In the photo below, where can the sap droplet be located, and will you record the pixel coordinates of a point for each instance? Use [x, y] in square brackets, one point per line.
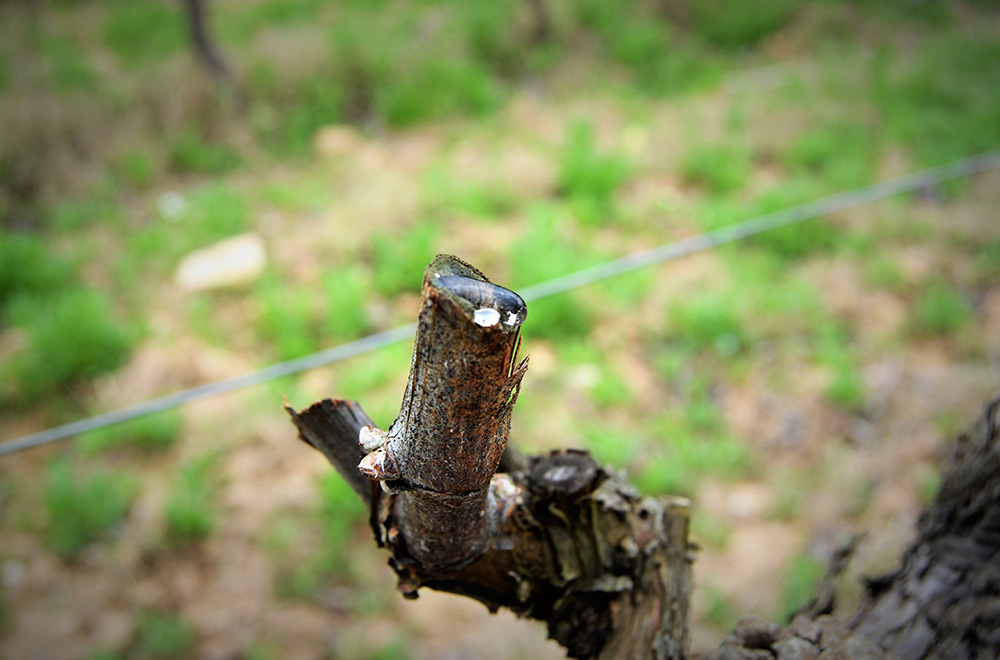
[486, 316]
[509, 306]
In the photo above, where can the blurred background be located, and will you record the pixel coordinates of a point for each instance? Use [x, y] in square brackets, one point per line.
[799, 386]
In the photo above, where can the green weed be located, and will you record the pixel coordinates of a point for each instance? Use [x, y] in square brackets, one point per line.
[366, 373]
[105, 654]
[678, 469]
[629, 289]
[715, 211]
[779, 304]
[302, 194]
[589, 178]
[545, 251]
[297, 568]
[320, 103]
[712, 320]
[189, 514]
[639, 43]
[190, 153]
[364, 64]
[841, 154]
[491, 38]
[610, 445]
[659, 63]
[800, 239]
[72, 335]
[341, 511]
[882, 272]
[643, 42]
[734, 24]
[162, 636]
[262, 651]
[140, 33]
[239, 27]
[400, 259]
[394, 647]
[560, 317]
[68, 68]
[800, 581]
[859, 244]
[437, 88]
[202, 312]
[685, 455]
[346, 292]
[135, 168]
[610, 391]
[988, 260]
[942, 310]
[82, 509]
[719, 168]
[98, 208]
[446, 192]
[671, 360]
[417, 71]
[701, 413]
[845, 387]
[944, 105]
[949, 423]
[737, 116]
[286, 317]
[151, 433]
[28, 268]
[895, 11]
[215, 211]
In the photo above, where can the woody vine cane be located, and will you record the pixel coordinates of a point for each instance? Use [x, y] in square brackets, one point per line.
[554, 537]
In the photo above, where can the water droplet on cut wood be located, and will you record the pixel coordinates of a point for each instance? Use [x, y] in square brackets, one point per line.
[508, 306]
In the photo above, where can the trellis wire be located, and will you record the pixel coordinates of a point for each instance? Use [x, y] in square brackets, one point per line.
[839, 202]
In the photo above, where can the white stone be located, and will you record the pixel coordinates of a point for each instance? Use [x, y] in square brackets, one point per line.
[171, 206]
[233, 261]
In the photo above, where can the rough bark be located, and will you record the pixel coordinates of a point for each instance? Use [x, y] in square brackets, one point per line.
[824, 638]
[943, 602]
[452, 428]
[559, 538]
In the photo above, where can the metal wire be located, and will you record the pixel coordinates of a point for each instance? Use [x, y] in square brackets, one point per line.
[839, 202]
